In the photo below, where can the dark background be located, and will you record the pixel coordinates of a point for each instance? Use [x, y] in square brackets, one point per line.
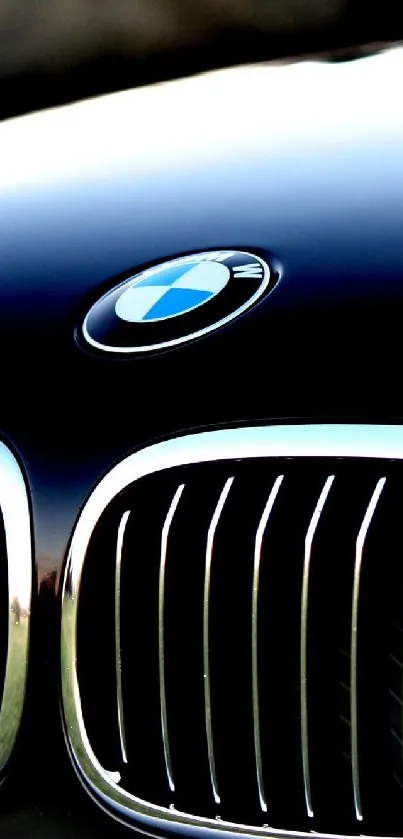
[56, 51]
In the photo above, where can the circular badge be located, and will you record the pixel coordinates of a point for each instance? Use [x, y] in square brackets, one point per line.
[176, 301]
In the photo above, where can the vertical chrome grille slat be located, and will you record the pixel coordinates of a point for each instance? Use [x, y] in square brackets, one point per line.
[304, 641]
[161, 640]
[206, 653]
[118, 571]
[255, 674]
[354, 626]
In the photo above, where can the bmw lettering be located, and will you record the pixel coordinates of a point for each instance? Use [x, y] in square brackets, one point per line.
[176, 301]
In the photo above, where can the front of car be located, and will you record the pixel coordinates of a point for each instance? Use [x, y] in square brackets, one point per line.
[201, 305]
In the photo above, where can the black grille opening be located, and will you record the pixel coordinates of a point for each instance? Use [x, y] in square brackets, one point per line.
[184, 646]
[188, 727]
[329, 642]
[96, 666]
[381, 686]
[279, 646]
[230, 645]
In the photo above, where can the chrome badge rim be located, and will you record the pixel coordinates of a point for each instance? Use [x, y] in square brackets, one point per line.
[177, 301]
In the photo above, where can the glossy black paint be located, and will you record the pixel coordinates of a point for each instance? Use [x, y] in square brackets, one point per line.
[322, 200]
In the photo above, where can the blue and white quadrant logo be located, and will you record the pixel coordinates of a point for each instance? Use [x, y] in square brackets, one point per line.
[177, 301]
[173, 291]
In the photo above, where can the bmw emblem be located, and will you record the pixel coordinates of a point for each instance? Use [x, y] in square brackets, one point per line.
[177, 301]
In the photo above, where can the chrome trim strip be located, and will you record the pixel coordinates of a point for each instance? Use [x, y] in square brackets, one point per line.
[17, 527]
[374, 441]
[304, 642]
[118, 570]
[161, 642]
[206, 651]
[255, 673]
[362, 535]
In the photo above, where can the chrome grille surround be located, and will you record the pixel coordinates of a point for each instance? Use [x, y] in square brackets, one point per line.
[289, 441]
[18, 548]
